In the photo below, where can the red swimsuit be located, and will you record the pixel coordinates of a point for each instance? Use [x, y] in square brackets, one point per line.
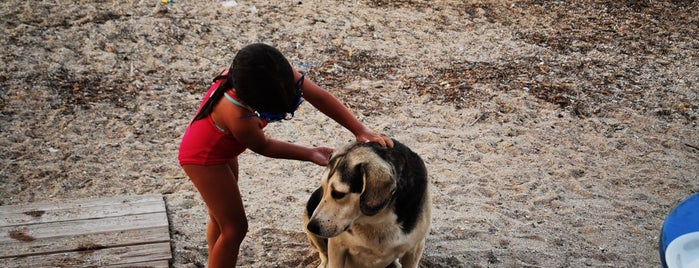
[206, 144]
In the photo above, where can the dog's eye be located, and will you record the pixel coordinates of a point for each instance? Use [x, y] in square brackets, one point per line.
[337, 195]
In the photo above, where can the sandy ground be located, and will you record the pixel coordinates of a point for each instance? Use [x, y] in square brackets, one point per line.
[556, 133]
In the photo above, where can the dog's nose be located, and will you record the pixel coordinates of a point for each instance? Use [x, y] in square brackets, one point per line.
[313, 227]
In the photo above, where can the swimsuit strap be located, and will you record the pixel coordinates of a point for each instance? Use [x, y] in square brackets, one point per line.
[236, 102]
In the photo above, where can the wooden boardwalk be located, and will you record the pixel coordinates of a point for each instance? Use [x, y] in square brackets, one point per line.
[129, 231]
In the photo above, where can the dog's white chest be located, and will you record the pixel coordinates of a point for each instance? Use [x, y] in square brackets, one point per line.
[373, 249]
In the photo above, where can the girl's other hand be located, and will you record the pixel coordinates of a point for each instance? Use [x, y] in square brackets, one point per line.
[370, 136]
[321, 155]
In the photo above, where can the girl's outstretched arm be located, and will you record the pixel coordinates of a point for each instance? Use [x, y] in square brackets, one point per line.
[248, 131]
[333, 108]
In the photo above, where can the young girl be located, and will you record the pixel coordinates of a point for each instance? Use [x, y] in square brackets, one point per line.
[260, 87]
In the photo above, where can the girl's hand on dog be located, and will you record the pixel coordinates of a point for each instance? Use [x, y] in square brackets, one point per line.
[321, 155]
[370, 136]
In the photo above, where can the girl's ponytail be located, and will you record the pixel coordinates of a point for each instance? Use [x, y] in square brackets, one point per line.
[216, 96]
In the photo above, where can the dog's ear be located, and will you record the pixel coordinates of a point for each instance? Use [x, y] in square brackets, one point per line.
[379, 186]
[313, 201]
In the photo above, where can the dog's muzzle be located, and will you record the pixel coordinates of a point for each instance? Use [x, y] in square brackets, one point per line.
[313, 227]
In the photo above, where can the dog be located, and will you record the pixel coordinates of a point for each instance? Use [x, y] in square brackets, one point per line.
[372, 209]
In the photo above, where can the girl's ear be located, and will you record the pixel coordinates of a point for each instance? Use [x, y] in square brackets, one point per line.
[379, 186]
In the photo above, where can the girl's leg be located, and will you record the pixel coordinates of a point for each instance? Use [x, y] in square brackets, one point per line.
[212, 232]
[212, 229]
[233, 164]
[219, 189]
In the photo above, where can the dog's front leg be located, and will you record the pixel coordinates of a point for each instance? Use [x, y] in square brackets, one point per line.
[337, 254]
[321, 246]
[411, 259]
[395, 264]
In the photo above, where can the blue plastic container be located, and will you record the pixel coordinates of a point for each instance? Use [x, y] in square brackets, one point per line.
[679, 237]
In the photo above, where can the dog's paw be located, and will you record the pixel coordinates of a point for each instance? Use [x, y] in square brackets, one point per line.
[395, 264]
[323, 263]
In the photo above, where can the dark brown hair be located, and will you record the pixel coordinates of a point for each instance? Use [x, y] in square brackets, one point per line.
[262, 78]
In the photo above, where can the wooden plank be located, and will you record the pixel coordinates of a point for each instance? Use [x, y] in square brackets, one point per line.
[85, 202]
[63, 236]
[15, 215]
[148, 255]
[127, 231]
[149, 264]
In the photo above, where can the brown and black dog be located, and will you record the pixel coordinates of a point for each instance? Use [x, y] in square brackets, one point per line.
[372, 209]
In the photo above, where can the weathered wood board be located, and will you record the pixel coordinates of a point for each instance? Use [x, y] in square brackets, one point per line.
[130, 231]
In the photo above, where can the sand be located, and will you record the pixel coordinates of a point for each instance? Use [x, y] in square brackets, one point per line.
[556, 133]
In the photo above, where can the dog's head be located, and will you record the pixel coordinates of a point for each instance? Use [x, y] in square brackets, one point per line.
[356, 183]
